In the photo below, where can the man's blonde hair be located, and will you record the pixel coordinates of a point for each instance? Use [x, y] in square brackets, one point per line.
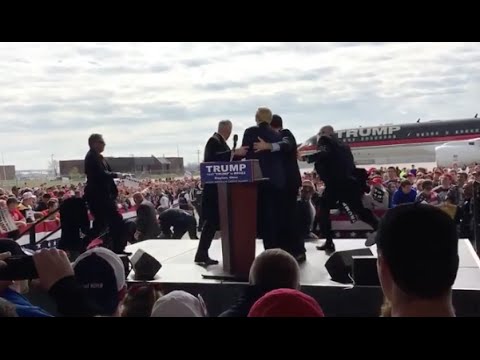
[263, 114]
[275, 269]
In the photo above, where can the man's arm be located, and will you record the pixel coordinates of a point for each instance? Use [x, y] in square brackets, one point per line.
[57, 277]
[95, 169]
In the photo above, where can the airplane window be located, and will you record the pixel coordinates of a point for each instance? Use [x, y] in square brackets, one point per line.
[446, 133]
[394, 136]
[423, 134]
[436, 133]
[461, 131]
[417, 134]
[476, 130]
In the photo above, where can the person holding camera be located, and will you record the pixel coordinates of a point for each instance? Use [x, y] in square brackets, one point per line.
[13, 290]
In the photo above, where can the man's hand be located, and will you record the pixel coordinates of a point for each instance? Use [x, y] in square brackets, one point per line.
[241, 152]
[137, 235]
[3, 256]
[261, 145]
[52, 265]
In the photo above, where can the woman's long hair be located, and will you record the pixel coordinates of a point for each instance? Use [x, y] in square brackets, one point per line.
[139, 300]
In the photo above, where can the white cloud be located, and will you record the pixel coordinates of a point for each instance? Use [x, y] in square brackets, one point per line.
[147, 98]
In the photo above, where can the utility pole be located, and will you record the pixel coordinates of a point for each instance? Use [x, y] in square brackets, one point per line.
[4, 170]
[53, 166]
[178, 151]
[198, 157]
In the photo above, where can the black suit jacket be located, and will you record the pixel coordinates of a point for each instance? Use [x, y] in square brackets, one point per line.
[175, 217]
[288, 147]
[271, 163]
[216, 149]
[147, 222]
[334, 163]
[99, 177]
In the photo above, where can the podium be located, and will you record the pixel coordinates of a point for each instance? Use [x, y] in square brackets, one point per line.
[237, 183]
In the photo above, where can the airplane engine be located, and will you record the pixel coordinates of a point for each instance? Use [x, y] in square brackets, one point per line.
[462, 153]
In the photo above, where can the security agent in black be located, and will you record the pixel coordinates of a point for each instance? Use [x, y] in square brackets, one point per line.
[101, 194]
[181, 221]
[335, 166]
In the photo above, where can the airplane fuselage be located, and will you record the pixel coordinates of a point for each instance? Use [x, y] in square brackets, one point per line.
[404, 143]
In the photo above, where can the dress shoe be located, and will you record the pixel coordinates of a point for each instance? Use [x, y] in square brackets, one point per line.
[328, 246]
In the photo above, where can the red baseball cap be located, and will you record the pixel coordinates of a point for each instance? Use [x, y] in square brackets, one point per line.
[376, 181]
[286, 303]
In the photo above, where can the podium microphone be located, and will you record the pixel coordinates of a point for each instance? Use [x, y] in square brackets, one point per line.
[235, 139]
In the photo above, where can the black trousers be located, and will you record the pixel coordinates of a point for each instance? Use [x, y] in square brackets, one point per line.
[208, 232]
[106, 215]
[291, 239]
[180, 228]
[270, 206]
[352, 197]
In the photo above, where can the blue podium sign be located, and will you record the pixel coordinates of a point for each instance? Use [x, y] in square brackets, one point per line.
[226, 172]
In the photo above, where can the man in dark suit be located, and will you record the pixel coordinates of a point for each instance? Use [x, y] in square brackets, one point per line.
[146, 224]
[270, 209]
[181, 221]
[216, 149]
[291, 240]
[101, 194]
[344, 184]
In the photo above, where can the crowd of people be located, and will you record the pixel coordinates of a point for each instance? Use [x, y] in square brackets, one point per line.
[450, 189]
[91, 281]
[413, 283]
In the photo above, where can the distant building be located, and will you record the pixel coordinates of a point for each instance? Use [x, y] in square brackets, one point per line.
[7, 172]
[134, 165]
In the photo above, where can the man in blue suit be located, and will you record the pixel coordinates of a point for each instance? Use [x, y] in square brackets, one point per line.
[270, 209]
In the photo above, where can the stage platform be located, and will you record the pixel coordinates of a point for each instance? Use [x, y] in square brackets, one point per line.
[180, 272]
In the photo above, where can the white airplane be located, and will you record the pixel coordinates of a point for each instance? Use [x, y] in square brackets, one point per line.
[409, 143]
[462, 153]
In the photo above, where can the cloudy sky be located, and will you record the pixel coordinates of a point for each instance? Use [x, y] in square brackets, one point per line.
[147, 98]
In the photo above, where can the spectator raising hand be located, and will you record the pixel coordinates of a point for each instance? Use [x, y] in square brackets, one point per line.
[52, 265]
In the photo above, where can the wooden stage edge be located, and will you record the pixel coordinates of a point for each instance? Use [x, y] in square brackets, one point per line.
[176, 257]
